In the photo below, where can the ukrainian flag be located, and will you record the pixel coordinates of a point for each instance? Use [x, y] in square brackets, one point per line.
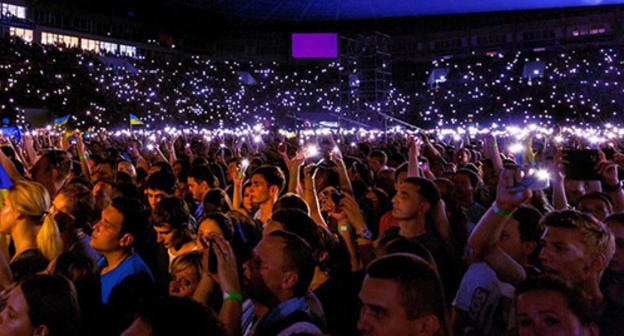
[134, 120]
[61, 121]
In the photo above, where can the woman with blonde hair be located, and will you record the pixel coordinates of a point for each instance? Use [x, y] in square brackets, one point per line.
[35, 235]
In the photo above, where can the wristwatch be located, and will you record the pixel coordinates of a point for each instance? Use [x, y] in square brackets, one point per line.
[366, 234]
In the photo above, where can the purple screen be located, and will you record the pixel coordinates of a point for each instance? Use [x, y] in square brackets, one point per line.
[317, 45]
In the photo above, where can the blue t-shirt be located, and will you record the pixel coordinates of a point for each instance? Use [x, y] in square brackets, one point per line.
[131, 265]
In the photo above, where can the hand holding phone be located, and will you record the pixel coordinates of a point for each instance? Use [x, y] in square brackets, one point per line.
[534, 180]
[506, 197]
[580, 164]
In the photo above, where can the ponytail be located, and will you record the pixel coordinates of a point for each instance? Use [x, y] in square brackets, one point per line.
[32, 199]
[49, 240]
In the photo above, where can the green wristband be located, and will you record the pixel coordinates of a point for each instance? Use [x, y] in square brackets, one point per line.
[344, 227]
[233, 296]
[500, 212]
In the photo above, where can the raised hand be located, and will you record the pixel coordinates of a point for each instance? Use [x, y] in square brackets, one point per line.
[293, 163]
[557, 166]
[414, 147]
[607, 169]
[227, 268]
[353, 212]
[506, 200]
[79, 142]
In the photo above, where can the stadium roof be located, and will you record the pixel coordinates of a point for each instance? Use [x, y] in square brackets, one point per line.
[340, 10]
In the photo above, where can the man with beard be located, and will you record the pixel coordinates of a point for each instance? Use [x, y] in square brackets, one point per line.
[276, 279]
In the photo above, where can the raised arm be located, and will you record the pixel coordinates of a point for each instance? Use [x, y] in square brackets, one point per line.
[29, 150]
[227, 271]
[336, 157]
[9, 167]
[485, 236]
[560, 200]
[294, 167]
[490, 151]
[238, 180]
[171, 150]
[206, 283]
[413, 169]
[82, 154]
[359, 236]
[310, 195]
[609, 172]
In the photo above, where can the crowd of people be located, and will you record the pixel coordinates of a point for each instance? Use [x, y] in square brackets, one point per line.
[577, 85]
[402, 235]
[501, 230]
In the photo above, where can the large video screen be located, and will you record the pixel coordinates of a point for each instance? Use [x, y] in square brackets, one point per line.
[314, 45]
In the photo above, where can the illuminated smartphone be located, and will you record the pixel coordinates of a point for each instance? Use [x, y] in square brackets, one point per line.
[533, 182]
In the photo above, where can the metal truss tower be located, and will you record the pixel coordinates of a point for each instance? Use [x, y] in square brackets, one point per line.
[365, 78]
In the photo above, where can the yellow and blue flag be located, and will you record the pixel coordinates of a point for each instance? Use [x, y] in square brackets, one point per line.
[61, 121]
[134, 120]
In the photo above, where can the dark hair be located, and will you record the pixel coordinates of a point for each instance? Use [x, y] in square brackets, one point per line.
[219, 199]
[595, 195]
[530, 228]
[127, 190]
[428, 190]
[529, 223]
[575, 300]
[199, 161]
[401, 244]
[402, 168]
[333, 256]
[300, 223]
[291, 201]
[203, 173]
[420, 287]
[76, 169]
[298, 256]
[615, 218]
[163, 181]
[235, 159]
[123, 178]
[396, 159]
[466, 150]
[273, 175]
[80, 202]
[186, 167]
[179, 316]
[85, 275]
[472, 176]
[59, 160]
[219, 175]
[380, 155]
[109, 162]
[52, 301]
[385, 203]
[135, 216]
[223, 222]
[174, 212]
[164, 166]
